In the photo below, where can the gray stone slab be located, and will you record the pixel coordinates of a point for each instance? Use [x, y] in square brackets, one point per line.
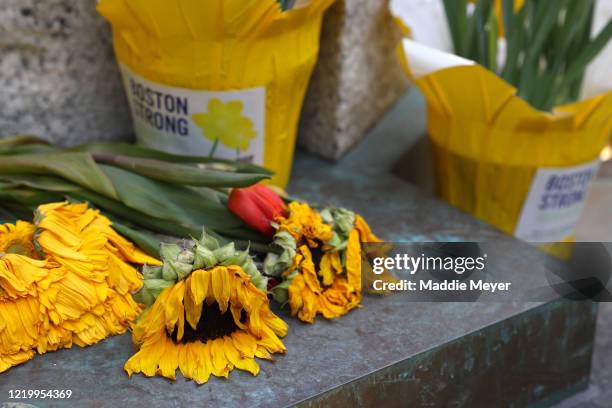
[356, 79]
[58, 73]
[389, 351]
[599, 393]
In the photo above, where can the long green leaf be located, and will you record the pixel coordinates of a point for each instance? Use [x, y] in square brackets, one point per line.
[27, 149]
[118, 209]
[47, 183]
[18, 211]
[146, 242]
[455, 15]
[27, 197]
[179, 173]
[508, 19]
[78, 168]
[21, 140]
[482, 14]
[168, 201]
[7, 216]
[124, 149]
[580, 62]
[493, 29]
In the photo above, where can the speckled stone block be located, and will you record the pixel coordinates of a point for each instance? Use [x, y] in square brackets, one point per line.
[356, 79]
[58, 74]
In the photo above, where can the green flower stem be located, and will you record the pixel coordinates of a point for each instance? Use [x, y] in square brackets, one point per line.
[213, 148]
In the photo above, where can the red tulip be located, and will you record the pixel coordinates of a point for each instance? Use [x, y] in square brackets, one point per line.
[258, 206]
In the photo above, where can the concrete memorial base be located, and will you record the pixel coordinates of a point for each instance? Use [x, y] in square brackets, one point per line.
[391, 352]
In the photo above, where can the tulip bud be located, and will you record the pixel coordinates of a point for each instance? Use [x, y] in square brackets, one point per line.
[258, 206]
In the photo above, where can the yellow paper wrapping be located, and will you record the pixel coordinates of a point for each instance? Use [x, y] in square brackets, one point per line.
[236, 72]
[489, 145]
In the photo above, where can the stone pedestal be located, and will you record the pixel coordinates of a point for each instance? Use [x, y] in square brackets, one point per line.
[356, 79]
[392, 352]
[58, 73]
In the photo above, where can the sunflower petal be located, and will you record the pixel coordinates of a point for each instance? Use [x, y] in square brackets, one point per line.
[221, 286]
[353, 260]
[168, 361]
[220, 364]
[197, 354]
[234, 357]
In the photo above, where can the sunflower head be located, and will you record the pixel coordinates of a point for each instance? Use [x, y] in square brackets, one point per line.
[66, 279]
[180, 260]
[207, 315]
[320, 261]
[18, 239]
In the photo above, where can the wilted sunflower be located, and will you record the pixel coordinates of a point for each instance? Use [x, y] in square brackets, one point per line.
[18, 239]
[208, 315]
[94, 297]
[20, 321]
[320, 263]
[70, 282]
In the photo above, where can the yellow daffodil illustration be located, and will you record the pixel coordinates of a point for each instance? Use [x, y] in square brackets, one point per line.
[66, 279]
[225, 123]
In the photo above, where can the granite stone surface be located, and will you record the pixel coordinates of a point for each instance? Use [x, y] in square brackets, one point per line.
[390, 347]
[58, 74]
[356, 79]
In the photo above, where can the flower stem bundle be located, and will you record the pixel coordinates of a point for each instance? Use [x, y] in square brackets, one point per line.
[65, 279]
[135, 186]
[548, 44]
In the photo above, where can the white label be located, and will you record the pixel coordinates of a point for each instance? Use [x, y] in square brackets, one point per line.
[224, 124]
[555, 201]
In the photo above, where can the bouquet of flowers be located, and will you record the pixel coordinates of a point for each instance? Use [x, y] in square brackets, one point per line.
[198, 305]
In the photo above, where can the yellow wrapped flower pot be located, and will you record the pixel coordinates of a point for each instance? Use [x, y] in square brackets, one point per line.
[523, 170]
[224, 78]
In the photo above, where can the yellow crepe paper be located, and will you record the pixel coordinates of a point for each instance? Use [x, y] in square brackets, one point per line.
[488, 143]
[220, 45]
